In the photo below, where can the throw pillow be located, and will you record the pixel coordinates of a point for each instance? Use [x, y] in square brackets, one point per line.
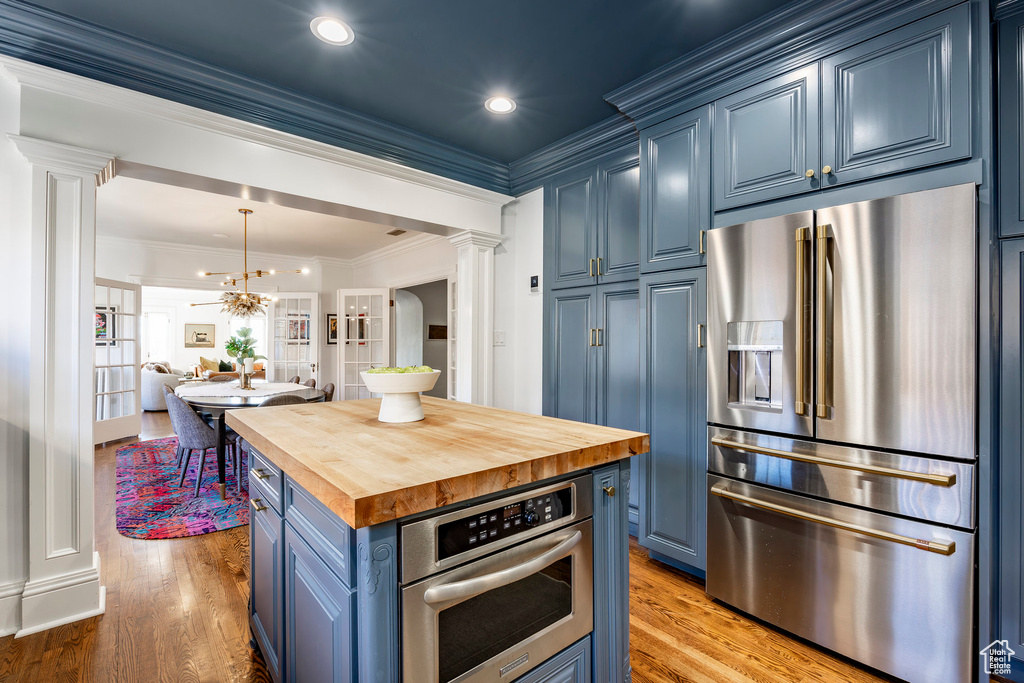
[258, 367]
[208, 364]
[226, 367]
[156, 367]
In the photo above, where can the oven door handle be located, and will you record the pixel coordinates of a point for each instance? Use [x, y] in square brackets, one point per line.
[461, 590]
[939, 547]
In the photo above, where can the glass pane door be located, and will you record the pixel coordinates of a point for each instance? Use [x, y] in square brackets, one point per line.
[117, 370]
[365, 329]
[293, 329]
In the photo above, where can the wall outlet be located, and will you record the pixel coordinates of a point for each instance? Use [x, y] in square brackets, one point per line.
[499, 337]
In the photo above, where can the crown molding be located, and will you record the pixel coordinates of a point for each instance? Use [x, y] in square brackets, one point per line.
[473, 238]
[195, 250]
[45, 37]
[405, 246]
[85, 161]
[1007, 8]
[614, 134]
[792, 36]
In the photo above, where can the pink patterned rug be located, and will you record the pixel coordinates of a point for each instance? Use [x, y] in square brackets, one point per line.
[151, 505]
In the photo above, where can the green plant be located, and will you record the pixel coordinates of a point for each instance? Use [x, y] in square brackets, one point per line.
[242, 345]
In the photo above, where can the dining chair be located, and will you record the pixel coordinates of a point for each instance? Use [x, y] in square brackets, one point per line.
[328, 392]
[311, 383]
[180, 451]
[282, 400]
[195, 435]
[294, 380]
[222, 378]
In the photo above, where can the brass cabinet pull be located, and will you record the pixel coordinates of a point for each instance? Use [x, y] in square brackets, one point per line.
[800, 400]
[700, 335]
[937, 479]
[256, 504]
[809, 173]
[931, 546]
[599, 336]
[827, 170]
[824, 410]
[590, 268]
[598, 265]
[700, 242]
[593, 337]
[610, 490]
[260, 474]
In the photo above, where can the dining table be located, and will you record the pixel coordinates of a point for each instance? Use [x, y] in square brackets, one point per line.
[216, 398]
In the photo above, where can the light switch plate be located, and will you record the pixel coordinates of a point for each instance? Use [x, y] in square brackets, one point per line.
[499, 337]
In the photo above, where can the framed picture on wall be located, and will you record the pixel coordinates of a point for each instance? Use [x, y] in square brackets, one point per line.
[200, 336]
[332, 328]
[106, 326]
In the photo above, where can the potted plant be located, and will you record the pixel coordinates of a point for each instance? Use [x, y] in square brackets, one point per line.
[242, 346]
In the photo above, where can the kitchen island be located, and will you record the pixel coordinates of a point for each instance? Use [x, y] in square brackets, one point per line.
[477, 544]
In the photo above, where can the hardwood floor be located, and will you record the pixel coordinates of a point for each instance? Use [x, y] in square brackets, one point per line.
[176, 611]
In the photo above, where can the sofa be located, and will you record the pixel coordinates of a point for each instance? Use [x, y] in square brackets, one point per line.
[209, 368]
[153, 382]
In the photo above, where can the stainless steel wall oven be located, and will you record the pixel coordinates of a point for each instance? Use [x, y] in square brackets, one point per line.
[490, 591]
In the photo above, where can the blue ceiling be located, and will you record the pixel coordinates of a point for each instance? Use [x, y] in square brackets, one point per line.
[429, 66]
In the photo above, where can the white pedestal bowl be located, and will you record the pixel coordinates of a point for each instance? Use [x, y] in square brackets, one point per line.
[401, 393]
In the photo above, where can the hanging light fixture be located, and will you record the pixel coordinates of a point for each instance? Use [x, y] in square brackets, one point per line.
[242, 304]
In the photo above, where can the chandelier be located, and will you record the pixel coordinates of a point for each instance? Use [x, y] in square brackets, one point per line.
[242, 304]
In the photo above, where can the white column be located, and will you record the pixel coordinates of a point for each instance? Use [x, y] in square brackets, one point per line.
[63, 566]
[474, 328]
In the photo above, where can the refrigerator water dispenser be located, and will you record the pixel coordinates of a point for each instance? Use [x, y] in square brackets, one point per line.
[755, 365]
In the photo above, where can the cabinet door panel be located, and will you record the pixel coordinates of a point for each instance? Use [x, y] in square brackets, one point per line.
[1011, 126]
[611, 574]
[320, 617]
[570, 232]
[570, 380]
[1009, 599]
[674, 411]
[618, 356]
[619, 219]
[675, 179]
[766, 139]
[899, 101]
[266, 587]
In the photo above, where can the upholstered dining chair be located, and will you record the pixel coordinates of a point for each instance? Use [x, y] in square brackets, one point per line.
[181, 451]
[282, 400]
[328, 392]
[222, 378]
[295, 380]
[194, 435]
[311, 383]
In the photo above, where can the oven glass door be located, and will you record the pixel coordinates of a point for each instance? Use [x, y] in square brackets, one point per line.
[495, 618]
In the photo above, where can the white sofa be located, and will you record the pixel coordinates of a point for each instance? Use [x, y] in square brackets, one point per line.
[153, 387]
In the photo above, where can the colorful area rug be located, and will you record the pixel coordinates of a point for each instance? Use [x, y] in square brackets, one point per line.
[151, 505]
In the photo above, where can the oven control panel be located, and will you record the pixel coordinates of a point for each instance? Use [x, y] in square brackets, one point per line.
[483, 528]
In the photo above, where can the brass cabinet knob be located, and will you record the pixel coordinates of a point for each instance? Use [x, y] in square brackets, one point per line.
[827, 170]
[809, 173]
[610, 490]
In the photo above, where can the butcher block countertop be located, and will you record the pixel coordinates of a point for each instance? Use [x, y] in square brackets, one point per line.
[370, 472]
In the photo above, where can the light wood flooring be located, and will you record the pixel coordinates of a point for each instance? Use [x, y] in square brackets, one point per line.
[176, 611]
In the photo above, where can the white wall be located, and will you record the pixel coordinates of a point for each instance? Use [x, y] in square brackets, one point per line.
[433, 297]
[518, 312]
[408, 329]
[421, 259]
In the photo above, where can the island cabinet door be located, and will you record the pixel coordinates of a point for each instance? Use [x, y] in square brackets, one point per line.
[570, 382]
[611, 573]
[673, 403]
[319, 617]
[766, 142]
[899, 101]
[266, 587]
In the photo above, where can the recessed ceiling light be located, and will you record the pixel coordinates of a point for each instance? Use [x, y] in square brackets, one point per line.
[500, 105]
[221, 235]
[331, 30]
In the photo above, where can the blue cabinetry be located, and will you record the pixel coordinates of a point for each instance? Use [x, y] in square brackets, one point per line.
[673, 402]
[1010, 591]
[571, 665]
[611, 573]
[675, 207]
[1011, 126]
[266, 588]
[592, 222]
[570, 389]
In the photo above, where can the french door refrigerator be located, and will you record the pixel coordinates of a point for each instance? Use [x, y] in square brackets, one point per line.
[842, 427]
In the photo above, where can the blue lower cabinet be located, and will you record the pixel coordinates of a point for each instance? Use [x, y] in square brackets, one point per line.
[611, 574]
[319, 618]
[571, 665]
[266, 567]
[673, 404]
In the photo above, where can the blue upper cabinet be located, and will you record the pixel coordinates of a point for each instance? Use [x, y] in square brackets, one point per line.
[766, 140]
[572, 236]
[618, 219]
[1011, 126]
[899, 101]
[675, 177]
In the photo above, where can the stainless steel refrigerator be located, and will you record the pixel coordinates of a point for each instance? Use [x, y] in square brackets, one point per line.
[842, 427]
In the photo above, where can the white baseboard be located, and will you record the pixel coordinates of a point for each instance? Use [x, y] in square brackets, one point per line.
[10, 607]
[62, 600]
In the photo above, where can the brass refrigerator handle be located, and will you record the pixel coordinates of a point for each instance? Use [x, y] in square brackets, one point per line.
[937, 479]
[939, 547]
[824, 410]
[800, 400]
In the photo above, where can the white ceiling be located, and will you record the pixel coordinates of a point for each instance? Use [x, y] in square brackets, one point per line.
[143, 210]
